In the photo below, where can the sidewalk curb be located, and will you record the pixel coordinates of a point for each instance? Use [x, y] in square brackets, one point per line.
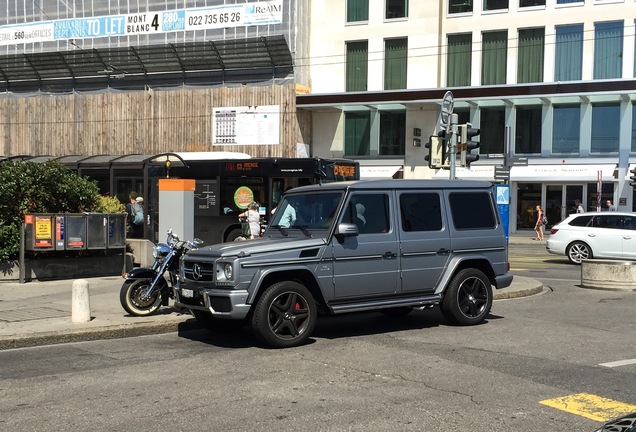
[85, 335]
[504, 295]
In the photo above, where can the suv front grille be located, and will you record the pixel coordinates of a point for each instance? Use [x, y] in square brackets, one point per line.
[198, 271]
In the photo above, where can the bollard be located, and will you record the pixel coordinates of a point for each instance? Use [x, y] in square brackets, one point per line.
[81, 305]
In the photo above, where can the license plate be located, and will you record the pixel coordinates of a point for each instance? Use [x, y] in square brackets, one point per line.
[187, 293]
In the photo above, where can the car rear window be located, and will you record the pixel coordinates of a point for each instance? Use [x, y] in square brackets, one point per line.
[580, 221]
[606, 221]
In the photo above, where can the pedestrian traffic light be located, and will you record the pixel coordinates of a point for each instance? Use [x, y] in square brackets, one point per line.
[633, 177]
[435, 152]
[466, 144]
[437, 156]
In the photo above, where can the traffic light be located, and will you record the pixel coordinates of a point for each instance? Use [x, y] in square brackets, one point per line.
[437, 155]
[633, 177]
[466, 144]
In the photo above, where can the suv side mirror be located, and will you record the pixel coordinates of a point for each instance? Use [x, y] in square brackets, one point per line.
[347, 230]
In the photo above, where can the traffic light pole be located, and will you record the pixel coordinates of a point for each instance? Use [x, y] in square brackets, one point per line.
[452, 132]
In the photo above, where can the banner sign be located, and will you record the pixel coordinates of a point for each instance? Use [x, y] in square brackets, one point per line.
[246, 125]
[217, 17]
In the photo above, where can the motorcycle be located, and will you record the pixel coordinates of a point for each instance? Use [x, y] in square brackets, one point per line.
[146, 289]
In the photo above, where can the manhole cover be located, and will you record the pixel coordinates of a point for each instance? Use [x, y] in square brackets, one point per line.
[31, 314]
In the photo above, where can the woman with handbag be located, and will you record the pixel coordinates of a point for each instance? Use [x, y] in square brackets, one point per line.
[253, 220]
[538, 227]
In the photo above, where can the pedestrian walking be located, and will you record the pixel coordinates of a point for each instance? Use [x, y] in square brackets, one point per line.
[538, 226]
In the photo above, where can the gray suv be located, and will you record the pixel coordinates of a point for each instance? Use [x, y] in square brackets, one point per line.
[387, 245]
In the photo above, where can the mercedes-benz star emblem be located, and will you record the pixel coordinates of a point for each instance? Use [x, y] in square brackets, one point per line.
[196, 271]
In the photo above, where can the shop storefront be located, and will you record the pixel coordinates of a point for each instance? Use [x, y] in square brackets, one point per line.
[554, 187]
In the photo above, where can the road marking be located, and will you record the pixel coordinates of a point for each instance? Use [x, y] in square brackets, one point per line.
[618, 363]
[590, 406]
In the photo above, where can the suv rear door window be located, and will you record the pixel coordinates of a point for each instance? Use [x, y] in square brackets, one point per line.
[420, 212]
[472, 210]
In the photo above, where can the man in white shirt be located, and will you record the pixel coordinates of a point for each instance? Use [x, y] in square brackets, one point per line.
[579, 207]
[288, 219]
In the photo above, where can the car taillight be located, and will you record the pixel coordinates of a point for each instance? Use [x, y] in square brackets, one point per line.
[553, 231]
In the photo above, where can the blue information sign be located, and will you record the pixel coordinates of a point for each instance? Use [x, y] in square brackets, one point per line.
[503, 206]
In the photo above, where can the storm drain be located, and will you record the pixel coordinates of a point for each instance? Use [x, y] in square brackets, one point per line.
[32, 314]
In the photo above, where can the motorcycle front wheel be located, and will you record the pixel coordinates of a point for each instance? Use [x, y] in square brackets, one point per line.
[131, 297]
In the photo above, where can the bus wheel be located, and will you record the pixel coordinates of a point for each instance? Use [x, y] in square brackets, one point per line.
[234, 235]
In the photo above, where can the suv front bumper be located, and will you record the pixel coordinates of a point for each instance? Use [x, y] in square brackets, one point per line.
[222, 303]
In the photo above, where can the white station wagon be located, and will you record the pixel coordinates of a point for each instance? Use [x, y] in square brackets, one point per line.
[594, 235]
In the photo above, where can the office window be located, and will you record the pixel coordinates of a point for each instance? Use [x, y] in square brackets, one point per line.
[357, 129]
[566, 129]
[605, 127]
[459, 60]
[569, 53]
[395, 63]
[397, 9]
[463, 116]
[492, 128]
[530, 61]
[495, 4]
[608, 50]
[528, 130]
[494, 52]
[634, 129]
[357, 64]
[357, 10]
[569, 1]
[531, 3]
[460, 6]
[392, 133]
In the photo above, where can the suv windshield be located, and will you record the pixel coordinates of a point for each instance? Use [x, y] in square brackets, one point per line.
[311, 210]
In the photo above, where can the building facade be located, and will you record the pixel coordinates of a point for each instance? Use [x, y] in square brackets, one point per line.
[121, 77]
[550, 84]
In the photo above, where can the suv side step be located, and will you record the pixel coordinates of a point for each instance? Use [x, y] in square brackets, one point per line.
[359, 306]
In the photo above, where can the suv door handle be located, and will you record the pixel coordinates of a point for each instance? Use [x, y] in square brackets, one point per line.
[389, 255]
[443, 251]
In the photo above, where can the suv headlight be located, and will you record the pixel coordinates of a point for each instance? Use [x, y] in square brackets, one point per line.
[228, 271]
[224, 273]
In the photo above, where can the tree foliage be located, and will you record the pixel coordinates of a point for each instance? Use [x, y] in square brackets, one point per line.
[29, 187]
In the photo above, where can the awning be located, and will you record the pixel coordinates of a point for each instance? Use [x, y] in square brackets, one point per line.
[475, 172]
[140, 67]
[586, 173]
[379, 171]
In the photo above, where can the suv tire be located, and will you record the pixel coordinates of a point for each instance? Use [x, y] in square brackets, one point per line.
[285, 315]
[468, 298]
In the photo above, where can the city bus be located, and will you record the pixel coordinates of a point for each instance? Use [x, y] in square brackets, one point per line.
[225, 183]
[225, 187]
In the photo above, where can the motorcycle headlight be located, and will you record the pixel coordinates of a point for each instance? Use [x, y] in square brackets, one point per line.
[160, 251]
[228, 271]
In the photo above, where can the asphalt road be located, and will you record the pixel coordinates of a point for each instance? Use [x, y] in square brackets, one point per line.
[362, 372]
